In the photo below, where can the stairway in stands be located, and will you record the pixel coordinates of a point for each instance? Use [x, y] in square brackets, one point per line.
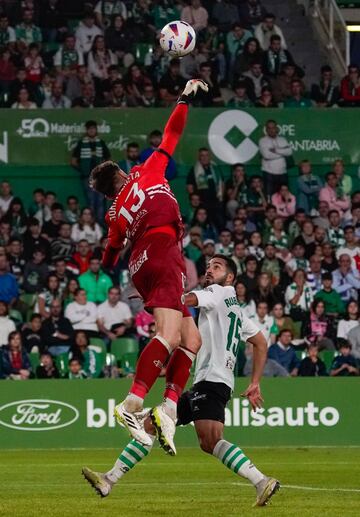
[303, 44]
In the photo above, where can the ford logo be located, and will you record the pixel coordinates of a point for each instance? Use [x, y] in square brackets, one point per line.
[37, 415]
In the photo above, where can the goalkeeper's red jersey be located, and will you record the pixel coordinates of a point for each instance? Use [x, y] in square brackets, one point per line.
[145, 201]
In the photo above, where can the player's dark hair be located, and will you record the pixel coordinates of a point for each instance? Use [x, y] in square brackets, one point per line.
[230, 264]
[102, 178]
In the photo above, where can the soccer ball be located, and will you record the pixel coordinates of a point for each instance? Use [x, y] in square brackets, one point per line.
[178, 38]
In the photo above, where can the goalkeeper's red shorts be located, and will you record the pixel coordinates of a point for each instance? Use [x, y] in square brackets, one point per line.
[158, 272]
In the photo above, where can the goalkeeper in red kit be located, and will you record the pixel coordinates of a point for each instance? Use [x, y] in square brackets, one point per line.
[146, 213]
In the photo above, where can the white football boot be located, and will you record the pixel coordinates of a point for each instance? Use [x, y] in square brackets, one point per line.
[133, 422]
[101, 484]
[265, 489]
[165, 428]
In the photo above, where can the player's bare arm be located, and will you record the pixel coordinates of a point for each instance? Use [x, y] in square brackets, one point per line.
[253, 392]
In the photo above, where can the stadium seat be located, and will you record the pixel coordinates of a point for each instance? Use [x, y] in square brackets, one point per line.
[97, 344]
[300, 354]
[124, 345]
[141, 50]
[100, 361]
[34, 361]
[61, 362]
[128, 362]
[16, 316]
[327, 356]
[110, 360]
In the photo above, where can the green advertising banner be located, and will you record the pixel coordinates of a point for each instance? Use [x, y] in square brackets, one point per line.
[298, 412]
[46, 137]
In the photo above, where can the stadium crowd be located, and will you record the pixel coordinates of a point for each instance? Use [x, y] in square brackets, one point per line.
[81, 53]
[298, 261]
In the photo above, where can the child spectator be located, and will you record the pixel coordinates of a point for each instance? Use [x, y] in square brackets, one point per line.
[345, 364]
[46, 368]
[312, 365]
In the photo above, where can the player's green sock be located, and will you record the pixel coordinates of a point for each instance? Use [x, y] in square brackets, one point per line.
[234, 459]
[133, 453]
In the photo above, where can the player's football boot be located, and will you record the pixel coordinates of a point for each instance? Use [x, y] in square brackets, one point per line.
[101, 484]
[165, 429]
[133, 422]
[265, 489]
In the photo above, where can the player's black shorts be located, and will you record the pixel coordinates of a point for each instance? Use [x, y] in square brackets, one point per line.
[204, 401]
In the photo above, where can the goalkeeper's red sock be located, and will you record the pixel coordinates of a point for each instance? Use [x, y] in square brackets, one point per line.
[177, 374]
[148, 370]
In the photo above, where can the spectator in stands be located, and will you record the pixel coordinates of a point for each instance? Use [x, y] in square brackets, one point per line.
[314, 274]
[208, 251]
[24, 101]
[212, 97]
[308, 188]
[235, 42]
[89, 152]
[86, 229]
[325, 94]
[100, 59]
[271, 369]
[333, 304]
[36, 272]
[47, 369]
[335, 234]
[276, 57]
[225, 246]
[264, 292]
[299, 297]
[337, 201]
[31, 335]
[344, 181]
[282, 85]
[225, 14]
[51, 228]
[57, 100]
[201, 219]
[320, 329]
[239, 256]
[120, 40]
[63, 246]
[81, 259]
[251, 54]
[118, 98]
[27, 32]
[246, 303]
[34, 64]
[354, 340]
[205, 178]
[69, 291]
[95, 282]
[75, 370]
[322, 219]
[298, 260]
[171, 83]
[132, 157]
[350, 88]
[297, 98]
[251, 13]
[236, 189]
[255, 80]
[44, 212]
[240, 99]
[20, 82]
[274, 150]
[196, 15]
[72, 211]
[255, 246]
[114, 317]
[345, 364]
[15, 360]
[81, 313]
[283, 353]
[281, 321]
[16, 258]
[86, 33]
[7, 33]
[312, 365]
[279, 238]
[50, 293]
[6, 324]
[267, 30]
[56, 331]
[266, 99]
[346, 280]
[284, 202]
[264, 322]
[351, 246]
[272, 264]
[349, 321]
[155, 138]
[52, 20]
[249, 277]
[106, 10]
[6, 197]
[16, 217]
[32, 239]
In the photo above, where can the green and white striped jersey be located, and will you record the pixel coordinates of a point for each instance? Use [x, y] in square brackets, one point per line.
[222, 326]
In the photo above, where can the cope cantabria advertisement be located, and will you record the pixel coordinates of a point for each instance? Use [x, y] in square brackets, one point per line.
[47, 137]
[297, 412]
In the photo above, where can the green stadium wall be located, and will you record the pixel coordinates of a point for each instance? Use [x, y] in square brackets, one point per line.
[35, 145]
[63, 413]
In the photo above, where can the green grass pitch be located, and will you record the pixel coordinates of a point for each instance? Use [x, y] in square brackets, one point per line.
[316, 481]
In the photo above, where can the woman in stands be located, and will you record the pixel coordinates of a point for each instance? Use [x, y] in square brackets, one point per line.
[87, 229]
[350, 321]
[16, 362]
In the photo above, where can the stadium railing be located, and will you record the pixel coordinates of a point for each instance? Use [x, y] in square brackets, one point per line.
[331, 18]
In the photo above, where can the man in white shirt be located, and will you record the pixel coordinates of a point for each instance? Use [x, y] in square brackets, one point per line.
[222, 326]
[114, 316]
[5, 197]
[6, 324]
[86, 33]
[274, 150]
[81, 313]
[264, 322]
[266, 29]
